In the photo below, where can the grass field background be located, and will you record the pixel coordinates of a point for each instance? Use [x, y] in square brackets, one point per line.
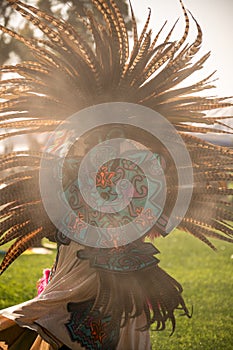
[206, 277]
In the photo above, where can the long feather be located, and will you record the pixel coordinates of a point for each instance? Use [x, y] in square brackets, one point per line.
[69, 74]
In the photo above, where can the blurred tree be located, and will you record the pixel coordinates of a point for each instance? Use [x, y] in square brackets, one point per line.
[13, 50]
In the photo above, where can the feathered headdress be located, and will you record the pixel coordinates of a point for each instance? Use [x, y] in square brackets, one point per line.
[69, 74]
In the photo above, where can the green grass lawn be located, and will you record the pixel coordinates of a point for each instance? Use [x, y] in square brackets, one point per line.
[206, 277]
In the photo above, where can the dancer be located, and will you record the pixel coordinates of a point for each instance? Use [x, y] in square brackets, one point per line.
[105, 292]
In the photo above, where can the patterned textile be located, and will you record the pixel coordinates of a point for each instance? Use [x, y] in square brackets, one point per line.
[132, 257]
[136, 207]
[91, 332]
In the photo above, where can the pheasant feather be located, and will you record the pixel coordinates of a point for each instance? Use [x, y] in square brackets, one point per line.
[69, 74]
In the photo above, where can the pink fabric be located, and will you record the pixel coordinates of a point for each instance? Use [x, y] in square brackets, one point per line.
[42, 283]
